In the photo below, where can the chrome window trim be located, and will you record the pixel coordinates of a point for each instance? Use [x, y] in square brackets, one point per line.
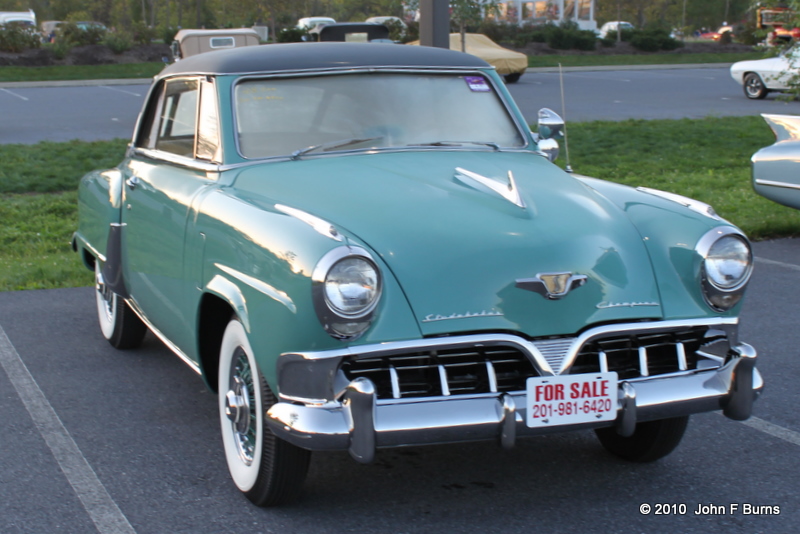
[522, 129]
[183, 161]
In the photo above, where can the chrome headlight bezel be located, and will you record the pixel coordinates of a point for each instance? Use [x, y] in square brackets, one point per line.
[337, 322]
[722, 297]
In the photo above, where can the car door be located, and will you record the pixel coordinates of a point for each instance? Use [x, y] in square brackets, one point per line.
[173, 161]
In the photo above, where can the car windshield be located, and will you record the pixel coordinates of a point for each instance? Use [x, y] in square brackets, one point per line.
[310, 115]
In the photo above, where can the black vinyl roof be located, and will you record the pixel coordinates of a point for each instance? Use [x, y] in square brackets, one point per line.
[312, 56]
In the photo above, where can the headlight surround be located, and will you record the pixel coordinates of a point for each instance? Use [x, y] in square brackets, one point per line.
[726, 268]
[346, 289]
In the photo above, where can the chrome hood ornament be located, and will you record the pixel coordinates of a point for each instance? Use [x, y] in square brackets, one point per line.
[552, 286]
[489, 185]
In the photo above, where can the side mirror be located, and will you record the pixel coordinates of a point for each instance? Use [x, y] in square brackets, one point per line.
[549, 147]
[551, 125]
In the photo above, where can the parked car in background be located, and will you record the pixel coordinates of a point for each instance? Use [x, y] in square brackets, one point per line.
[361, 246]
[509, 64]
[192, 42]
[609, 29]
[776, 168]
[391, 22]
[313, 23]
[352, 32]
[759, 77]
[21, 18]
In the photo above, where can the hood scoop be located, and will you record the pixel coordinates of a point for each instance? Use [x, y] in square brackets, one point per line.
[491, 186]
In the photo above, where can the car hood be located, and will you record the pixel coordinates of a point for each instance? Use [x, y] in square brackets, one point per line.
[458, 251]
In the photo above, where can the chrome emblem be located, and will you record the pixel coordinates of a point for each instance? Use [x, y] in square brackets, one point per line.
[552, 286]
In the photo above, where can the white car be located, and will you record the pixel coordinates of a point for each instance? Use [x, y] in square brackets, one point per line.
[760, 76]
[610, 28]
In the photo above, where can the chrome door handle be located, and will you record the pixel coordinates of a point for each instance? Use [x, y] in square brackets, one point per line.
[132, 182]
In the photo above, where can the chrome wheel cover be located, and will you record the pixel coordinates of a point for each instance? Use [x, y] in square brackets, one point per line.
[240, 406]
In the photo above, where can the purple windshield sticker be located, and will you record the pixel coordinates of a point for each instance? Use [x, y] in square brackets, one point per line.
[477, 84]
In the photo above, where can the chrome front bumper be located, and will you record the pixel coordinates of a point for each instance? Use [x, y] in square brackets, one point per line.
[360, 423]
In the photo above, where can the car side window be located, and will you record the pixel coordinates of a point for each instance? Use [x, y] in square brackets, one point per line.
[177, 123]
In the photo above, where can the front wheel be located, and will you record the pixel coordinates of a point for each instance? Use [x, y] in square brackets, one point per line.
[650, 441]
[268, 470]
[119, 325]
[754, 87]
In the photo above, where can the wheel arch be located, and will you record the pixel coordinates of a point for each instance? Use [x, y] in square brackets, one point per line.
[213, 316]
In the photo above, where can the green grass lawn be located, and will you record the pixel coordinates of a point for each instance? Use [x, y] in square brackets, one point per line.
[80, 72]
[707, 159]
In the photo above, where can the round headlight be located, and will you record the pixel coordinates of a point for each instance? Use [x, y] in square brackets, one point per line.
[346, 288]
[728, 263]
[352, 286]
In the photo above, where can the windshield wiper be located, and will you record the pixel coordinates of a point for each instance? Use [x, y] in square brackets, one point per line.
[458, 143]
[333, 145]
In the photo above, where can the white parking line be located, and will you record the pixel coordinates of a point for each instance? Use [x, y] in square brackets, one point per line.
[104, 512]
[773, 430]
[12, 93]
[779, 264]
[120, 90]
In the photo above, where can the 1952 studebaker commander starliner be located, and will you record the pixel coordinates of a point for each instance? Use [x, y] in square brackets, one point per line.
[364, 245]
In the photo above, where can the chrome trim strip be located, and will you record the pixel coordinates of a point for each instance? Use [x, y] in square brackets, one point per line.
[603, 361]
[773, 183]
[320, 225]
[643, 367]
[170, 345]
[682, 365]
[492, 376]
[260, 286]
[183, 161]
[93, 251]
[443, 381]
[395, 382]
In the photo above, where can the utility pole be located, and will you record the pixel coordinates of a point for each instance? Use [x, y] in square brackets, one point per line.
[434, 23]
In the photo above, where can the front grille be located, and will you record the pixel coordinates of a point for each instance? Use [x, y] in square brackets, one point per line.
[505, 368]
[460, 371]
[641, 355]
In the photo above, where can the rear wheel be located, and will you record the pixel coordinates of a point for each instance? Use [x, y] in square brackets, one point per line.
[268, 470]
[651, 441]
[120, 326]
[754, 87]
[512, 78]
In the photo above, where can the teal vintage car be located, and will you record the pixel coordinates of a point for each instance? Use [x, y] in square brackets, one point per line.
[362, 246]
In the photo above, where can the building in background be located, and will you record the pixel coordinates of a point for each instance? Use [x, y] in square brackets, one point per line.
[548, 11]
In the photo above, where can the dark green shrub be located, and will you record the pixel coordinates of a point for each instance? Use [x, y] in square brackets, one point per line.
[653, 40]
[85, 34]
[725, 38]
[142, 34]
[568, 37]
[167, 33]
[118, 42]
[293, 35]
[16, 38]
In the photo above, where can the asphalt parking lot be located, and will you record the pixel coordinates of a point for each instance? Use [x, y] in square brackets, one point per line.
[98, 440]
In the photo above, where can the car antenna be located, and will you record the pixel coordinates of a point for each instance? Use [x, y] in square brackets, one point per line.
[568, 167]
